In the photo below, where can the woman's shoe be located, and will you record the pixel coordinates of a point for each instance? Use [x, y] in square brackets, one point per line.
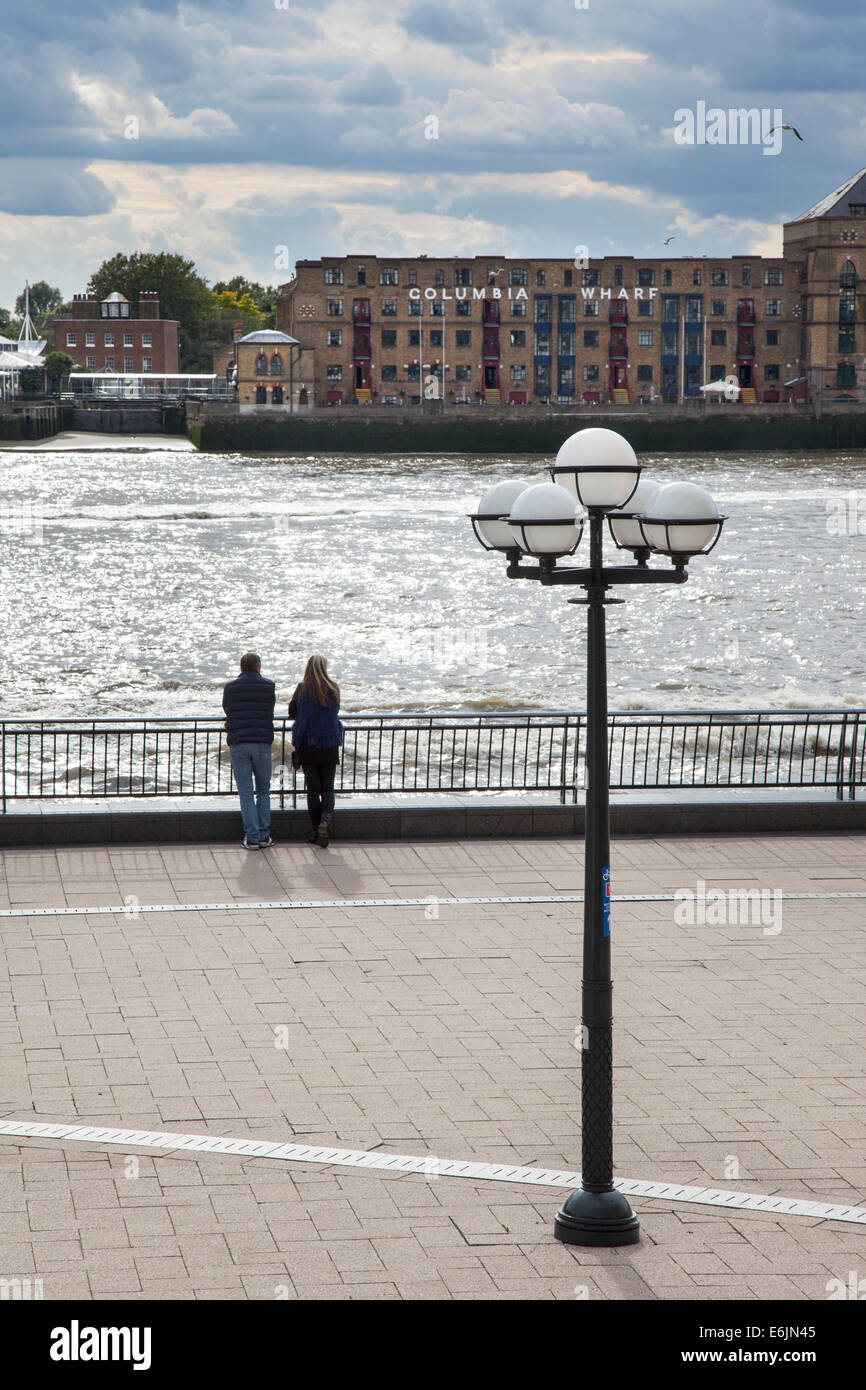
[323, 834]
[314, 838]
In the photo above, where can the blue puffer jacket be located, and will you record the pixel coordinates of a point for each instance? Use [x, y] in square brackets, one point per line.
[249, 704]
[315, 726]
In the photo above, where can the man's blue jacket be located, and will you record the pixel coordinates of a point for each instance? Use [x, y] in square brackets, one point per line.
[249, 705]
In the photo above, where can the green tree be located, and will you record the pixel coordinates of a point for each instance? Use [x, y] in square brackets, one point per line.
[183, 295]
[57, 366]
[45, 300]
[263, 296]
[30, 381]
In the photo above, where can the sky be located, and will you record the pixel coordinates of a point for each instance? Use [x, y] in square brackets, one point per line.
[252, 134]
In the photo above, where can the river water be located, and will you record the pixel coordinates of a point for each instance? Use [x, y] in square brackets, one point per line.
[132, 581]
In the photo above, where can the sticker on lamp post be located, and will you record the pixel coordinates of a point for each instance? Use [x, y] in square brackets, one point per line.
[605, 902]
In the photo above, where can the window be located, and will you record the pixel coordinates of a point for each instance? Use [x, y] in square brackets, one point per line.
[463, 373]
[90, 364]
[389, 337]
[542, 381]
[439, 277]
[670, 308]
[261, 395]
[517, 275]
[464, 308]
[334, 337]
[540, 277]
[335, 308]
[518, 309]
[617, 275]
[389, 373]
[413, 276]
[437, 308]
[718, 337]
[518, 373]
[567, 279]
[414, 337]
[277, 395]
[590, 276]
[693, 344]
[693, 308]
[746, 277]
[646, 275]
[389, 400]
[773, 275]
[669, 344]
[541, 343]
[146, 340]
[718, 372]
[334, 371]
[129, 364]
[667, 278]
[518, 337]
[389, 308]
[644, 372]
[590, 308]
[127, 340]
[566, 381]
[70, 340]
[416, 308]
[542, 308]
[109, 364]
[109, 340]
[146, 364]
[90, 340]
[718, 308]
[857, 209]
[696, 276]
[645, 308]
[846, 374]
[590, 337]
[590, 373]
[566, 342]
[333, 275]
[463, 337]
[644, 337]
[718, 277]
[261, 363]
[276, 365]
[362, 275]
[771, 371]
[771, 337]
[388, 276]
[773, 308]
[567, 308]
[847, 340]
[413, 371]
[463, 275]
[436, 336]
[848, 276]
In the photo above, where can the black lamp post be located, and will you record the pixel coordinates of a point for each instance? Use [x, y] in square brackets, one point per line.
[597, 471]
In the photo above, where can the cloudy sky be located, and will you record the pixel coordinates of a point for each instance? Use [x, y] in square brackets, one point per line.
[227, 131]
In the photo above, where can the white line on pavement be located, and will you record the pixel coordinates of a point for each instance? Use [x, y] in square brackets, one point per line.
[429, 1166]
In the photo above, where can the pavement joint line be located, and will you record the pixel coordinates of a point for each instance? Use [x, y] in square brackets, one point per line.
[292, 905]
[429, 1166]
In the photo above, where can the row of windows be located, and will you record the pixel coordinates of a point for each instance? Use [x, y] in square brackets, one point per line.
[568, 308]
[109, 364]
[541, 340]
[108, 340]
[518, 275]
[275, 366]
[517, 372]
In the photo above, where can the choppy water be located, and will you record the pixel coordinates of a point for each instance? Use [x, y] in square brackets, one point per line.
[130, 584]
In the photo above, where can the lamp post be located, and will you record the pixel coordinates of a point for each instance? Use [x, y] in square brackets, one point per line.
[596, 474]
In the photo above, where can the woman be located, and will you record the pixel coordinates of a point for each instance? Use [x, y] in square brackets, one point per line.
[316, 737]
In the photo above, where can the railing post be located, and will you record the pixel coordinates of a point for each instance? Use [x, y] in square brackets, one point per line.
[840, 761]
[3, 756]
[852, 782]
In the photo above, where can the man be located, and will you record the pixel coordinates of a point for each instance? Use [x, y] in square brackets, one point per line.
[249, 705]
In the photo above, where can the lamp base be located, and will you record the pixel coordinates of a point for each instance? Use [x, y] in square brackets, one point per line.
[596, 1218]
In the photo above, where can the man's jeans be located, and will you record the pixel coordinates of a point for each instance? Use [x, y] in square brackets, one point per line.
[249, 761]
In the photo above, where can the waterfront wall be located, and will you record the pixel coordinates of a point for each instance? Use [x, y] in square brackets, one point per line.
[523, 429]
[22, 419]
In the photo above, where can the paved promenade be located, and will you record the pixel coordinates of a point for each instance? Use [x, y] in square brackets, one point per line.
[435, 1029]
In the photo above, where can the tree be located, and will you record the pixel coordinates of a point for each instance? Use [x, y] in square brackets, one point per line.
[57, 366]
[183, 295]
[45, 299]
[31, 382]
[263, 296]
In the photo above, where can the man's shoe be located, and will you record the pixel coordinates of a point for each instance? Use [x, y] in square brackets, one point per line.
[323, 834]
[248, 844]
[265, 844]
[314, 838]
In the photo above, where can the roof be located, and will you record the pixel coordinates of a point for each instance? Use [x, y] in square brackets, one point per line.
[115, 298]
[268, 335]
[836, 204]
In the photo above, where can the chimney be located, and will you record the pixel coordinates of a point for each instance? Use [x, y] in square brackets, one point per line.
[236, 329]
[148, 305]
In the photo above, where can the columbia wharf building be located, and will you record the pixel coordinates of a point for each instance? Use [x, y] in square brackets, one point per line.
[613, 330]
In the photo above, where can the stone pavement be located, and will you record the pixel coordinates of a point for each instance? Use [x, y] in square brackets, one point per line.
[437, 1029]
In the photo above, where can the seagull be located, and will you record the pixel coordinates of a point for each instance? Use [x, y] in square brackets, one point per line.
[786, 127]
[669, 240]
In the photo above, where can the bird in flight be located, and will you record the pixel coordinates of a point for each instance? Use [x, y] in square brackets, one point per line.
[668, 241]
[786, 127]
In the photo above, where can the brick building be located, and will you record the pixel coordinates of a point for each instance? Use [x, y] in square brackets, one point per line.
[617, 329]
[266, 369]
[105, 336]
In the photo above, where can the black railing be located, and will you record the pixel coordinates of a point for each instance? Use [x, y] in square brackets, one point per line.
[441, 753]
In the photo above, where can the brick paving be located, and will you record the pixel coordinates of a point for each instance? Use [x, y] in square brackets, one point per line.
[738, 1063]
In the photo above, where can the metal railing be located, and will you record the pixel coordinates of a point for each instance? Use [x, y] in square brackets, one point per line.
[442, 753]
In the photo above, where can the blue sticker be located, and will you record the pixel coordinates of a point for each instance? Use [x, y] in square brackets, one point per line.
[605, 901]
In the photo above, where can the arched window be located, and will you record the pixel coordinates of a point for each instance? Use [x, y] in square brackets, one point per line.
[262, 364]
[261, 395]
[277, 395]
[848, 276]
[276, 365]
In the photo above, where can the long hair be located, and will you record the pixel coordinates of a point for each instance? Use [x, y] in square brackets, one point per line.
[317, 683]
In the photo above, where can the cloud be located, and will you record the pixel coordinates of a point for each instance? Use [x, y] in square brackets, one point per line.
[51, 188]
[375, 87]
